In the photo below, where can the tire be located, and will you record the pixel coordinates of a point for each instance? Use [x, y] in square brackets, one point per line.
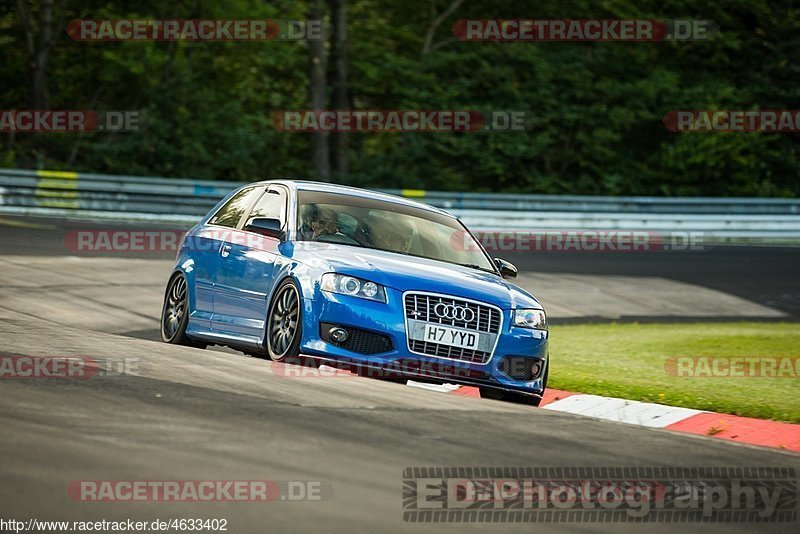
[284, 323]
[394, 380]
[516, 398]
[175, 313]
[509, 396]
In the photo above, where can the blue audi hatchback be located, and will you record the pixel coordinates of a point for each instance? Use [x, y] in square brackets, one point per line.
[309, 272]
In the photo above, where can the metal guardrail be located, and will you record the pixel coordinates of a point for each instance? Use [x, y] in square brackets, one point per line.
[596, 204]
[155, 198]
[110, 193]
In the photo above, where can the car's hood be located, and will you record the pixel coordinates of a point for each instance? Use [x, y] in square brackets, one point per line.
[405, 273]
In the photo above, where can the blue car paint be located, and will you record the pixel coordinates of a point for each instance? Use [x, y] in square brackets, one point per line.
[232, 274]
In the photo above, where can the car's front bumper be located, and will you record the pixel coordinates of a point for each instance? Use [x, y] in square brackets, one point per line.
[388, 319]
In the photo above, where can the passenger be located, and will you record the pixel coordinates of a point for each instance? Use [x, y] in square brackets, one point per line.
[401, 238]
[395, 236]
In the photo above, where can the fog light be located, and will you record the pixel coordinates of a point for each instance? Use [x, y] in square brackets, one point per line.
[536, 369]
[338, 334]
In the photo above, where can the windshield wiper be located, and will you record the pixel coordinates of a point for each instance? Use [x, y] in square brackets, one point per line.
[473, 266]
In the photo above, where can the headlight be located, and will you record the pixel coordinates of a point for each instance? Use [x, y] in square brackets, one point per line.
[530, 319]
[350, 285]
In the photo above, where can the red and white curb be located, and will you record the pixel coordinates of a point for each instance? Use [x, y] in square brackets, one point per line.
[731, 427]
[622, 411]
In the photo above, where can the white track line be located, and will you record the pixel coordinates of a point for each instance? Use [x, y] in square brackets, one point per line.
[442, 388]
[624, 411]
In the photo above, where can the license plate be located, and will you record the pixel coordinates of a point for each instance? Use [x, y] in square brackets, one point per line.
[451, 336]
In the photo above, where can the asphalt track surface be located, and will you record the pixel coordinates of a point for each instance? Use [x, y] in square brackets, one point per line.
[190, 414]
[768, 276]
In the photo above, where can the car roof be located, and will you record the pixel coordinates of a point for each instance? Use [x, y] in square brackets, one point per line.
[324, 187]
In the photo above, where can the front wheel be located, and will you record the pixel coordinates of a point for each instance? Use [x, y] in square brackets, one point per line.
[516, 398]
[284, 323]
[509, 396]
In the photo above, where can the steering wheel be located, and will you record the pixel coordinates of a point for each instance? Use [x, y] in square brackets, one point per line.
[337, 238]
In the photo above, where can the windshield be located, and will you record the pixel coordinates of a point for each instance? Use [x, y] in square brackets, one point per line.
[370, 223]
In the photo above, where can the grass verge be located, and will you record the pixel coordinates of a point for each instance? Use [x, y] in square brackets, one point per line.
[630, 361]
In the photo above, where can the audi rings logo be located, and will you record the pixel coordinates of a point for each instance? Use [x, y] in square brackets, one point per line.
[453, 312]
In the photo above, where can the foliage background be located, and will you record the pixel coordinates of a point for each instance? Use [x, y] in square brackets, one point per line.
[598, 107]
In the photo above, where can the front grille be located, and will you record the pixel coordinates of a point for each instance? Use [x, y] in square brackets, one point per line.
[366, 342]
[484, 318]
[361, 341]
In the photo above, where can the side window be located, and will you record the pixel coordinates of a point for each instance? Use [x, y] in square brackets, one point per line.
[229, 214]
[271, 205]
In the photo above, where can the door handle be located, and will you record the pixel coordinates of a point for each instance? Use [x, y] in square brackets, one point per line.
[225, 250]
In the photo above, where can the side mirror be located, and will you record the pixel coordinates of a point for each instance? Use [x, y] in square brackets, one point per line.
[507, 269]
[265, 226]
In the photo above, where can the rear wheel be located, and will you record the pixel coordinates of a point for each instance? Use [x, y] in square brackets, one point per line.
[175, 314]
[284, 323]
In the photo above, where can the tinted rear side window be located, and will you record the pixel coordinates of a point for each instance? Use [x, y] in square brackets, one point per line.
[229, 214]
[272, 205]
